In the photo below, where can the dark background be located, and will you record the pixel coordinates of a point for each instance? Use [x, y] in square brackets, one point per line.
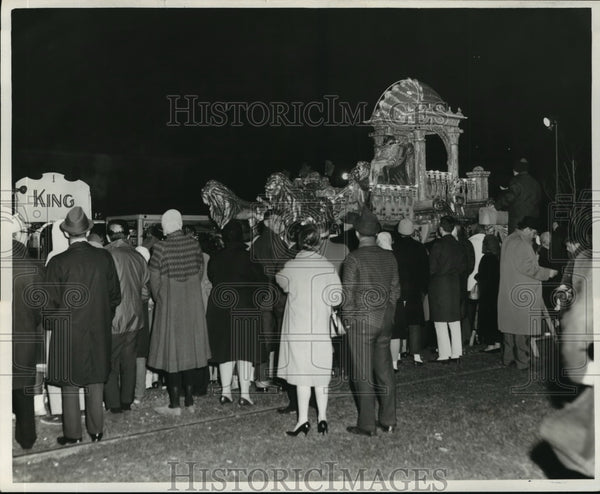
[90, 92]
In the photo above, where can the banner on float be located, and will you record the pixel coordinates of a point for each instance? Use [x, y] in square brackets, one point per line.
[51, 197]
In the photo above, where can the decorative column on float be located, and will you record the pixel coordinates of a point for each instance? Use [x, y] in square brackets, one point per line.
[453, 136]
[420, 164]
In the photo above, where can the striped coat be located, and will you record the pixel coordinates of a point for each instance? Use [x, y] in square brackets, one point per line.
[179, 339]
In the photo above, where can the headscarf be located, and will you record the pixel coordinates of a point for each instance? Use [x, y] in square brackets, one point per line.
[171, 221]
[384, 240]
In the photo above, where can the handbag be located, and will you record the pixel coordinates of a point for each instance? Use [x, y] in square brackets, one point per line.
[336, 325]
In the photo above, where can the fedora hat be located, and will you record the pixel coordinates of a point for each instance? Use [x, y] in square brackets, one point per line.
[76, 222]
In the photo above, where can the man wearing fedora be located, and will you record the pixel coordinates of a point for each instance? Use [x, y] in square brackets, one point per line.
[371, 289]
[83, 293]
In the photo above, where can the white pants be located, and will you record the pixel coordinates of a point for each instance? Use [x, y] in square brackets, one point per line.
[445, 350]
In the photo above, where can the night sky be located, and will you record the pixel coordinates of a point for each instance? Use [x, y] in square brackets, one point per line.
[90, 91]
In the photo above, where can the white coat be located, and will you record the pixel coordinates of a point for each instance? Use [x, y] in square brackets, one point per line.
[305, 352]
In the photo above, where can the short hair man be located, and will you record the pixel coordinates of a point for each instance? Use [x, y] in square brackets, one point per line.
[84, 289]
[447, 268]
[371, 288]
[129, 317]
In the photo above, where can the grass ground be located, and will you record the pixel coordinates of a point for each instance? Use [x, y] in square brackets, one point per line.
[475, 421]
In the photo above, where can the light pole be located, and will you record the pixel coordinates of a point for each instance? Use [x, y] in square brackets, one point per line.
[551, 124]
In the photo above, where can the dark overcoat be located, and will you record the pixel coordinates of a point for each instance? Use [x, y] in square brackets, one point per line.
[447, 266]
[84, 292]
[233, 315]
[413, 272]
[488, 279]
[27, 302]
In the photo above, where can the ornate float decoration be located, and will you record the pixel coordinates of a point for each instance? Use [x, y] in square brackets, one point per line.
[394, 184]
[401, 185]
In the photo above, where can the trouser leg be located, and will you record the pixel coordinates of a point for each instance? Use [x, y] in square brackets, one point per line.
[384, 376]
[94, 415]
[111, 390]
[394, 351]
[361, 346]
[522, 353]
[201, 377]
[415, 339]
[140, 378]
[456, 345]
[443, 340]
[128, 367]
[508, 354]
[71, 412]
[25, 424]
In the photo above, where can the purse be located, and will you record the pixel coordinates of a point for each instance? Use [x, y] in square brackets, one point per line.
[336, 325]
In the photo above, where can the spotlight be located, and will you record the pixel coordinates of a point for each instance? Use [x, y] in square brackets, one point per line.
[552, 124]
[345, 176]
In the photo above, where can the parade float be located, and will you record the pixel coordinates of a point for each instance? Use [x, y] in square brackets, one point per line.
[395, 184]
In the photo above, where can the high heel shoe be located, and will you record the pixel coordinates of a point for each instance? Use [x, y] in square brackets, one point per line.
[245, 403]
[322, 427]
[305, 427]
[223, 400]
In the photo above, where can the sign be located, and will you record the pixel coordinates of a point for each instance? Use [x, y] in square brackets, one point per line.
[51, 197]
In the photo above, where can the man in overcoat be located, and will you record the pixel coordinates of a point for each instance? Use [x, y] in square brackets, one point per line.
[371, 290]
[271, 253]
[520, 300]
[83, 289]
[28, 341]
[134, 279]
[447, 270]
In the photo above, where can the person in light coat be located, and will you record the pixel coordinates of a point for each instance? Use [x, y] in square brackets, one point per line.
[305, 353]
[520, 301]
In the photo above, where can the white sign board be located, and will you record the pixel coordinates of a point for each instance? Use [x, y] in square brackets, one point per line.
[51, 197]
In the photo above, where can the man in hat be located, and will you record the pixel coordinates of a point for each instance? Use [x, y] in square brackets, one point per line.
[128, 322]
[520, 300]
[371, 289]
[523, 196]
[83, 289]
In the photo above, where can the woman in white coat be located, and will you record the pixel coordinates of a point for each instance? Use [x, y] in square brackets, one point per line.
[305, 352]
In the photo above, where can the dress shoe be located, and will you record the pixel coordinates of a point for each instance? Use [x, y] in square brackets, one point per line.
[322, 427]
[125, 407]
[261, 389]
[418, 363]
[438, 361]
[245, 403]
[115, 410]
[361, 432]
[305, 427]
[386, 428]
[223, 400]
[96, 437]
[455, 361]
[404, 355]
[287, 410]
[62, 440]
